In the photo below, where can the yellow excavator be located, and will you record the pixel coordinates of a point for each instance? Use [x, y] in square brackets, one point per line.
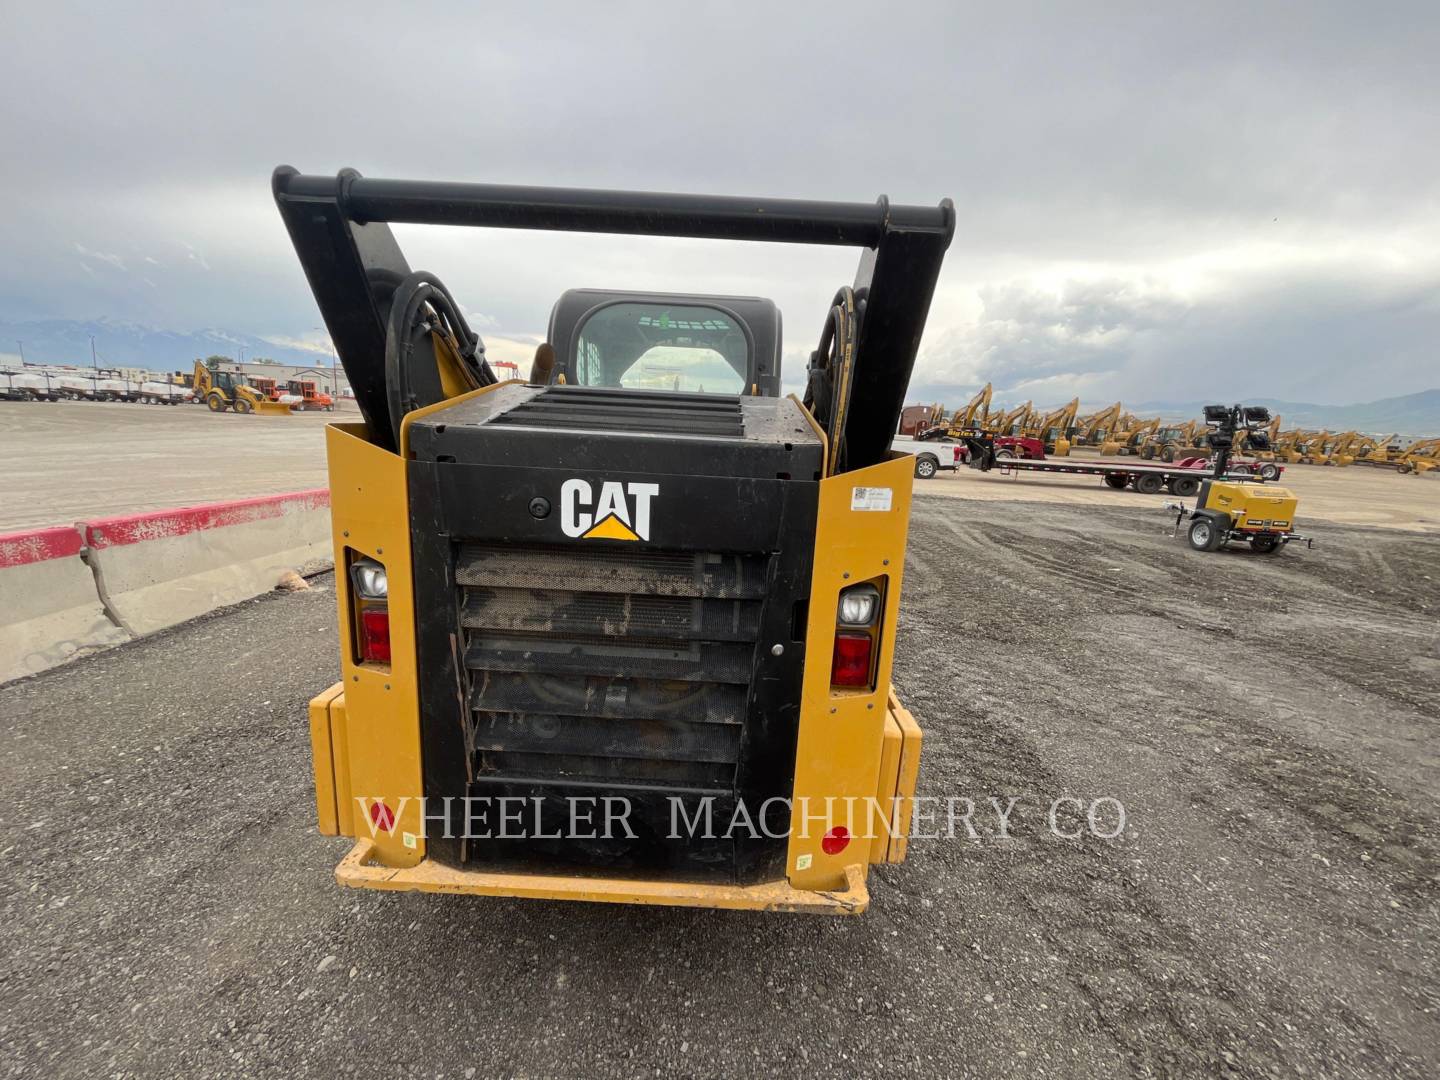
[1315, 449]
[1349, 447]
[1294, 444]
[1095, 428]
[1011, 422]
[1173, 443]
[1420, 457]
[973, 417]
[1336, 450]
[1284, 442]
[1054, 429]
[222, 390]
[1127, 440]
[1381, 451]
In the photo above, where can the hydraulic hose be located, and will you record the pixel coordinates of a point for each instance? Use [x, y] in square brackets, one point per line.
[831, 374]
[416, 293]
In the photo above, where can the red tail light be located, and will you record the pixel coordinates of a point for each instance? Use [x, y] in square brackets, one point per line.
[851, 663]
[375, 635]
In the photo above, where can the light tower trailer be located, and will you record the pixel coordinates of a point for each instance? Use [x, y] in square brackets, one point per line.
[1228, 508]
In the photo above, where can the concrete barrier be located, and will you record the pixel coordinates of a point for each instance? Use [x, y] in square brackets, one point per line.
[156, 570]
[50, 611]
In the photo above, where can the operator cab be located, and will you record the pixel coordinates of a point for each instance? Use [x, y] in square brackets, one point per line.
[667, 341]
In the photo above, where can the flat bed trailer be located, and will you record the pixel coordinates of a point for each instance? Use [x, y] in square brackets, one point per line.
[1147, 479]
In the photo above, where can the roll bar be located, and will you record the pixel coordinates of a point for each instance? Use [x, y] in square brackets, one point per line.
[340, 228]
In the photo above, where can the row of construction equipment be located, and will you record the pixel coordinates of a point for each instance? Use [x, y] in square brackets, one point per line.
[219, 391]
[43, 384]
[1235, 499]
[1026, 432]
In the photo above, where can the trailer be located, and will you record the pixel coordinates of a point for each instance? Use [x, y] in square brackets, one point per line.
[75, 388]
[27, 386]
[163, 393]
[1182, 479]
[1242, 467]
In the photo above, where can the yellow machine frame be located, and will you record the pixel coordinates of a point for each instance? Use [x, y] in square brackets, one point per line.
[858, 751]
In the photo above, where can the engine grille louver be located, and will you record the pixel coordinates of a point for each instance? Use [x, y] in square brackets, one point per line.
[611, 409]
[542, 628]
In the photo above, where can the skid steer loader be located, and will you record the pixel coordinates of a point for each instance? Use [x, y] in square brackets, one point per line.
[623, 631]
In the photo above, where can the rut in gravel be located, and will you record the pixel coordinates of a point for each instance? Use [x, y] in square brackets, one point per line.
[1282, 707]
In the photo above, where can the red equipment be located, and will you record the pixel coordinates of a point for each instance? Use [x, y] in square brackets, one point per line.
[1023, 447]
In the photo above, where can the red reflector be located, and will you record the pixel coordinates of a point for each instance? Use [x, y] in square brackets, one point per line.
[375, 635]
[835, 841]
[382, 816]
[851, 663]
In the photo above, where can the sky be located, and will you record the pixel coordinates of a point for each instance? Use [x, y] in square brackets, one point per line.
[1153, 202]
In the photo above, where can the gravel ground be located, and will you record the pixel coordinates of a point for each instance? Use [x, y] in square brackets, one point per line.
[1269, 910]
[1355, 495]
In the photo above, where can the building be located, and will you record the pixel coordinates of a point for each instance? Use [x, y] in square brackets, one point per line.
[328, 379]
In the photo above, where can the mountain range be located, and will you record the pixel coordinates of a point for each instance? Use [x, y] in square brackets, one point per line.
[1411, 414]
[122, 344]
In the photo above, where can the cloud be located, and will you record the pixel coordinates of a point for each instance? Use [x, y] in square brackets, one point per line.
[319, 345]
[106, 257]
[1144, 198]
[1331, 331]
[1027, 333]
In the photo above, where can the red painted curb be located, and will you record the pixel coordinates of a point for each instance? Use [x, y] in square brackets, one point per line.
[137, 528]
[39, 545]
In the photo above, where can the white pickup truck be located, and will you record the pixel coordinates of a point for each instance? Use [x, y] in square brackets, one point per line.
[931, 455]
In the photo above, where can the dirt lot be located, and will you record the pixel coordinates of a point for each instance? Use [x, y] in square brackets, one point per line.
[1270, 909]
[73, 460]
[1355, 495]
[70, 460]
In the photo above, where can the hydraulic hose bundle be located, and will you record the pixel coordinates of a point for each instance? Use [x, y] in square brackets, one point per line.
[831, 374]
[422, 312]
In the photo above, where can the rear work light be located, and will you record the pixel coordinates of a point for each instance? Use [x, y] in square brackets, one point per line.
[859, 605]
[370, 587]
[370, 580]
[857, 631]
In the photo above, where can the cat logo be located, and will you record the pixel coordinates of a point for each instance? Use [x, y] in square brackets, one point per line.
[621, 513]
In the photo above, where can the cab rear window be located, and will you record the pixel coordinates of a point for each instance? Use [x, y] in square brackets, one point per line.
[651, 346]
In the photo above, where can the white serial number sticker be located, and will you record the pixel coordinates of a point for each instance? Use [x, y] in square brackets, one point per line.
[867, 498]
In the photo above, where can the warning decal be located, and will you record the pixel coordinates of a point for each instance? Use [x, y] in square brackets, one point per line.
[868, 498]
